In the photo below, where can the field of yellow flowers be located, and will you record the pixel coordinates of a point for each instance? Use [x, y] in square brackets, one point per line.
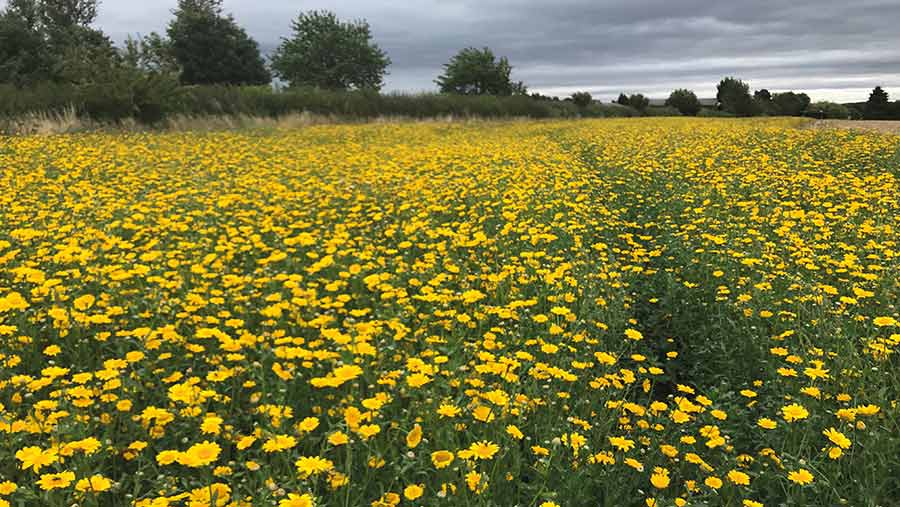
[649, 312]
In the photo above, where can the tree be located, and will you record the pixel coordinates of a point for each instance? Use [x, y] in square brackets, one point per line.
[325, 52]
[23, 54]
[622, 100]
[478, 72]
[39, 38]
[878, 98]
[685, 101]
[638, 101]
[582, 99]
[212, 49]
[878, 105]
[790, 103]
[151, 53]
[734, 95]
[828, 110]
[762, 95]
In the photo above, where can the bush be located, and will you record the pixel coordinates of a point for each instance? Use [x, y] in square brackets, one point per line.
[828, 110]
[685, 101]
[150, 99]
[582, 99]
[714, 113]
[661, 111]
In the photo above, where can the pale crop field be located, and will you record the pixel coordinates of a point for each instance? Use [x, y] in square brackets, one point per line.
[649, 312]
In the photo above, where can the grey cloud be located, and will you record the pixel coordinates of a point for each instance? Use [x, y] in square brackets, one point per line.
[831, 49]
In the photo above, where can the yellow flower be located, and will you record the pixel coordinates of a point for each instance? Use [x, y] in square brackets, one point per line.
[635, 464]
[513, 431]
[837, 438]
[8, 488]
[36, 458]
[308, 424]
[713, 482]
[368, 431]
[211, 425]
[801, 476]
[95, 483]
[84, 302]
[483, 413]
[201, 454]
[245, 442]
[295, 500]
[414, 437]
[338, 438]
[312, 465]
[766, 423]
[739, 478]
[621, 443]
[48, 482]
[447, 410]
[168, 457]
[441, 459]
[633, 334]
[473, 480]
[540, 451]
[794, 412]
[279, 443]
[884, 321]
[413, 491]
[204, 496]
[483, 449]
[660, 478]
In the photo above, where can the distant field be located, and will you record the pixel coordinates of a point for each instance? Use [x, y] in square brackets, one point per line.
[645, 312]
[884, 126]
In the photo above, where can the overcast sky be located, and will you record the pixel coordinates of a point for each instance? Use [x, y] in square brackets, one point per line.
[831, 49]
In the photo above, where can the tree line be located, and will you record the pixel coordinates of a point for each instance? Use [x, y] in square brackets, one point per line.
[52, 45]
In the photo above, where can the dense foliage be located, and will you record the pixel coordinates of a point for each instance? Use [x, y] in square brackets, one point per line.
[650, 312]
[734, 97]
[211, 48]
[685, 101]
[474, 71]
[582, 99]
[328, 53]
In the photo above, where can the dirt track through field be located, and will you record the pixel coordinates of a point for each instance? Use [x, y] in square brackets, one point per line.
[883, 126]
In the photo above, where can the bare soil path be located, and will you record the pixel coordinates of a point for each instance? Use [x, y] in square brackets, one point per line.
[883, 126]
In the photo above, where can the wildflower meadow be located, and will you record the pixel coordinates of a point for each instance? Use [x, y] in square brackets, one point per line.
[646, 312]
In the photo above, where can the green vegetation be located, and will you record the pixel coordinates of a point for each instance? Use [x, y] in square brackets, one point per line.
[475, 71]
[325, 52]
[53, 60]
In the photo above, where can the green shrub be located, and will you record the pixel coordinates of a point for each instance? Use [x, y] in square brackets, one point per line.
[828, 110]
[662, 111]
[714, 113]
[151, 98]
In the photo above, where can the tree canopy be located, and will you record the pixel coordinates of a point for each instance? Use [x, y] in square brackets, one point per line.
[211, 48]
[475, 71]
[582, 99]
[41, 39]
[325, 52]
[734, 96]
[685, 101]
[790, 103]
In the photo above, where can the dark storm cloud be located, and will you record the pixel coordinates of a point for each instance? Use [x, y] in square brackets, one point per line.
[831, 49]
